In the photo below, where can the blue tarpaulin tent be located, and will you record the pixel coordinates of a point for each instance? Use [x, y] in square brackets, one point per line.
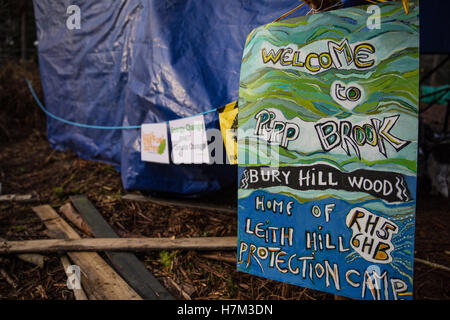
[144, 61]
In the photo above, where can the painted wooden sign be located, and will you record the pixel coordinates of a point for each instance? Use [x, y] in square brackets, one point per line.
[327, 151]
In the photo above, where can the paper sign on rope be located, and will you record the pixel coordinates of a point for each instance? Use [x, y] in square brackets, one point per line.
[189, 142]
[154, 146]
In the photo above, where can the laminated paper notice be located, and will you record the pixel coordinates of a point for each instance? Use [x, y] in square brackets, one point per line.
[189, 142]
[154, 146]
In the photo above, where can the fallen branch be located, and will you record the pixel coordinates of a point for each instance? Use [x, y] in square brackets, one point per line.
[16, 198]
[432, 264]
[118, 244]
[8, 278]
[219, 258]
[180, 203]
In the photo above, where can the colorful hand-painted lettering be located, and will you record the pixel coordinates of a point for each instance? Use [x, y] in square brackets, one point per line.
[327, 152]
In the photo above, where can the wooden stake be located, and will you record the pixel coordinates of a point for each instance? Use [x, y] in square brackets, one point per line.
[69, 212]
[118, 244]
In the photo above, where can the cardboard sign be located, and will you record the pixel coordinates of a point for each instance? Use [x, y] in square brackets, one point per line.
[228, 116]
[189, 143]
[327, 151]
[154, 145]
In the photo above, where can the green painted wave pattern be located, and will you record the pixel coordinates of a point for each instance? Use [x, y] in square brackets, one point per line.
[390, 88]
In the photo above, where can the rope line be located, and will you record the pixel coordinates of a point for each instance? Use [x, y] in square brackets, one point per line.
[82, 125]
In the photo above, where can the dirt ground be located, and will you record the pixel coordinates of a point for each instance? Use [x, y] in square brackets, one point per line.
[53, 176]
[29, 166]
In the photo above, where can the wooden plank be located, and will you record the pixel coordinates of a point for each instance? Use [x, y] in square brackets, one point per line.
[78, 293]
[126, 264]
[99, 280]
[118, 244]
[179, 203]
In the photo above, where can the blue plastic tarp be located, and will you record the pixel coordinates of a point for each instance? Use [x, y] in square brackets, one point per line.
[84, 72]
[188, 58]
[144, 61]
[135, 62]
